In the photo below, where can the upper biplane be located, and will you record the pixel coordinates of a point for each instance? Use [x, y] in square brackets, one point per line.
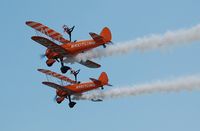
[74, 88]
[68, 49]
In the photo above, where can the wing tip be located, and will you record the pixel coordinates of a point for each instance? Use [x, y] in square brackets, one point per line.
[28, 22]
[47, 83]
[36, 38]
[39, 69]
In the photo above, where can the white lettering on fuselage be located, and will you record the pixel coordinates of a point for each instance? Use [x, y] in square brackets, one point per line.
[85, 86]
[82, 44]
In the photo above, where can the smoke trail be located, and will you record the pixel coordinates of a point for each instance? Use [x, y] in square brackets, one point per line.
[180, 84]
[146, 43]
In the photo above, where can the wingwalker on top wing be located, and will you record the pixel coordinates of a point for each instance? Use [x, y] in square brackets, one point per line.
[67, 50]
[75, 88]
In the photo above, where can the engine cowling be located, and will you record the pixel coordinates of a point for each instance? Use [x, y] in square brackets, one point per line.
[50, 62]
[61, 93]
[59, 99]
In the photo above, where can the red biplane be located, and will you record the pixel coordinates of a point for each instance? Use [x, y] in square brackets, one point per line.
[74, 88]
[67, 49]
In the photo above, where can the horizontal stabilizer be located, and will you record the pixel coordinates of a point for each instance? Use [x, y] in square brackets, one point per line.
[109, 85]
[96, 100]
[97, 38]
[95, 80]
[90, 64]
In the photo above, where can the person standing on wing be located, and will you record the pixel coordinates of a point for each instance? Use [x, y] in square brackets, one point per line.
[75, 73]
[68, 30]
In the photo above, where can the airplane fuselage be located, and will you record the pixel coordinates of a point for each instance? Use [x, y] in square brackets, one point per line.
[80, 46]
[84, 87]
[80, 88]
[74, 48]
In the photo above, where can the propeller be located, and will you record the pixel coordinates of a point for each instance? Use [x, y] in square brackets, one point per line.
[55, 97]
[42, 56]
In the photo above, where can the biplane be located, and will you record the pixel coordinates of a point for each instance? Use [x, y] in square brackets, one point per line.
[75, 88]
[66, 50]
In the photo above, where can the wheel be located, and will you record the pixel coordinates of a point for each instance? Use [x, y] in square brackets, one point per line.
[50, 62]
[59, 100]
[64, 69]
[71, 104]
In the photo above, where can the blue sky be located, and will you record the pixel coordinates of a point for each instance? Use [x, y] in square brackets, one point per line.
[28, 105]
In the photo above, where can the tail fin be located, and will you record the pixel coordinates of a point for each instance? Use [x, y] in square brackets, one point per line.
[103, 78]
[106, 34]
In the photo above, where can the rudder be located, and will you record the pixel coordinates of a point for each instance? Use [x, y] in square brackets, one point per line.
[106, 34]
[103, 78]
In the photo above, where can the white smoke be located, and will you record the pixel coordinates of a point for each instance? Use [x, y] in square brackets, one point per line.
[169, 38]
[185, 83]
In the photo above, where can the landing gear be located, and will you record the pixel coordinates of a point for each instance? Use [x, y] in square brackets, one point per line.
[71, 103]
[50, 62]
[63, 68]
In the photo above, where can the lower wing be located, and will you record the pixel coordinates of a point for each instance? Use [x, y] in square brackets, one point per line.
[58, 87]
[90, 64]
[50, 45]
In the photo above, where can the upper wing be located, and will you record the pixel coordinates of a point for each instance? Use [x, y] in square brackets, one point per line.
[97, 38]
[90, 64]
[58, 87]
[50, 45]
[47, 31]
[59, 76]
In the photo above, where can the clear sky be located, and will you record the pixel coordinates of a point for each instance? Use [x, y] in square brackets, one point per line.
[27, 105]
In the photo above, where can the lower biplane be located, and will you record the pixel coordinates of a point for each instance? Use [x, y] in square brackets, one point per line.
[74, 88]
[67, 50]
